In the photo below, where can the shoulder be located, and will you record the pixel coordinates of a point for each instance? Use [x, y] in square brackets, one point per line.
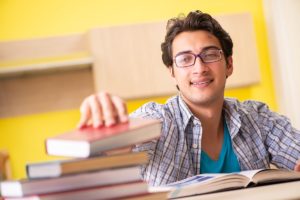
[255, 111]
[246, 107]
[157, 110]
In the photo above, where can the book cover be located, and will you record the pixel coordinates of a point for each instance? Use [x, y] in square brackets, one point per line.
[27, 187]
[148, 196]
[116, 191]
[58, 168]
[209, 183]
[90, 141]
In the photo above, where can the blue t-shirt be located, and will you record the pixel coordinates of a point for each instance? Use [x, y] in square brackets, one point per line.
[227, 161]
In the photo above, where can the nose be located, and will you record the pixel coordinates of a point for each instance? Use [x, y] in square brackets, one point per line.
[199, 66]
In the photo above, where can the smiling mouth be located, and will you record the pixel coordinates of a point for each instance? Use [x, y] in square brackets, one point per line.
[201, 83]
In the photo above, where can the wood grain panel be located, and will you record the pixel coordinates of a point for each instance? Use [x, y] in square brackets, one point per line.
[128, 58]
[245, 57]
[42, 47]
[44, 92]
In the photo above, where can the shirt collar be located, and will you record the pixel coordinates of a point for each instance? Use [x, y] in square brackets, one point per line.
[232, 116]
[186, 113]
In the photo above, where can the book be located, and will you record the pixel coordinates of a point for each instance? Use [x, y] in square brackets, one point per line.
[90, 141]
[209, 183]
[148, 196]
[116, 191]
[27, 187]
[287, 190]
[58, 168]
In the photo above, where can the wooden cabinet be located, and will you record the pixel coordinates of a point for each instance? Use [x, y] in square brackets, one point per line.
[55, 73]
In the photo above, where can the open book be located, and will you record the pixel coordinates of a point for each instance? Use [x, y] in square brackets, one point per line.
[208, 183]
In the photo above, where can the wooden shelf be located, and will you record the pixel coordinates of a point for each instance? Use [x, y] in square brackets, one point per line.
[82, 63]
[44, 74]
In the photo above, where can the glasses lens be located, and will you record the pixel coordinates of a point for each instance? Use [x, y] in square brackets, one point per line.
[211, 55]
[184, 60]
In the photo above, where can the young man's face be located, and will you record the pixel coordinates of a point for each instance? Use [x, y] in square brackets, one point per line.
[203, 83]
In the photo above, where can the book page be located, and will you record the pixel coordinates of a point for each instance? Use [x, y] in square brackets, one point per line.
[275, 176]
[250, 173]
[198, 179]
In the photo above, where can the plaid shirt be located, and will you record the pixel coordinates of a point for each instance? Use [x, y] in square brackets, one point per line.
[259, 137]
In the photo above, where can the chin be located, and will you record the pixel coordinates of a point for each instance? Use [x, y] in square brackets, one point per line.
[197, 100]
[202, 102]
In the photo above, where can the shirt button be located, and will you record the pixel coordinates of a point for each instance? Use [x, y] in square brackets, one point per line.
[195, 146]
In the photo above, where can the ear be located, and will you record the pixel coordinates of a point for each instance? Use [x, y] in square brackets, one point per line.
[172, 73]
[171, 70]
[229, 66]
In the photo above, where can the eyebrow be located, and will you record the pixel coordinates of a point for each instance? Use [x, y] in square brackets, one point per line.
[205, 48]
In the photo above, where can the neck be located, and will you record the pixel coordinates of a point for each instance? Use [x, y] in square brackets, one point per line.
[210, 117]
[212, 127]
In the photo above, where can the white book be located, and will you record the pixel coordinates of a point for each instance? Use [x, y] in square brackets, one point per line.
[116, 191]
[20, 188]
[56, 168]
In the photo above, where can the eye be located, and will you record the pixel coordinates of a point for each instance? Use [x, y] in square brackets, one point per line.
[210, 55]
[184, 58]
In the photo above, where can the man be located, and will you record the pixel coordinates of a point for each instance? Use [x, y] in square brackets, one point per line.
[202, 132]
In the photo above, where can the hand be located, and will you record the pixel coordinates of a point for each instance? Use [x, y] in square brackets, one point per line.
[297, 166]
[102, 109]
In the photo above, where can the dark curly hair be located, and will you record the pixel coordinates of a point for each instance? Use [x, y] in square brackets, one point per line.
[195, 20]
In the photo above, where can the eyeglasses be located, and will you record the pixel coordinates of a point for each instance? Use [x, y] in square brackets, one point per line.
[187, 59]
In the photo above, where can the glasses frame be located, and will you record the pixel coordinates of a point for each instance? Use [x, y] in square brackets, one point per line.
[200, 55]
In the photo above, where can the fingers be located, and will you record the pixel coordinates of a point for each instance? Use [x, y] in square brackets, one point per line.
[109, 112]
[85, 113]
[121, 108]
[102, 109]
[297, 166]
[97, 116]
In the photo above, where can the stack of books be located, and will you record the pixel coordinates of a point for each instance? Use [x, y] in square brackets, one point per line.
[90, 174]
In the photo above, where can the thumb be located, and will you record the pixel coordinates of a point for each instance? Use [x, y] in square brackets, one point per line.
[85, 114]
[297, 166]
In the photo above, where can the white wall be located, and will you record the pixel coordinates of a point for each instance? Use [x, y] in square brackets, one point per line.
[283, 27]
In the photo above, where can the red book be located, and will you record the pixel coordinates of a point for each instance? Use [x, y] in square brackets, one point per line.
[90, 141]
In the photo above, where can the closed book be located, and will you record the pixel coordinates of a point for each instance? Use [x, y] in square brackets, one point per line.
[71, 166]
[90, 141]
[116, 191]
[71, 182]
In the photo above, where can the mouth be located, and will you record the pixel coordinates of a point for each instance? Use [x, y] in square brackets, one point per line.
[203, 83]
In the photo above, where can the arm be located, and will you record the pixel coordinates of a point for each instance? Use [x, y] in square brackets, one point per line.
[102, 109]
[282, 139]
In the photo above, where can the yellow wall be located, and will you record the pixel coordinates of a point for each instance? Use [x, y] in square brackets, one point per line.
[19, 19]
